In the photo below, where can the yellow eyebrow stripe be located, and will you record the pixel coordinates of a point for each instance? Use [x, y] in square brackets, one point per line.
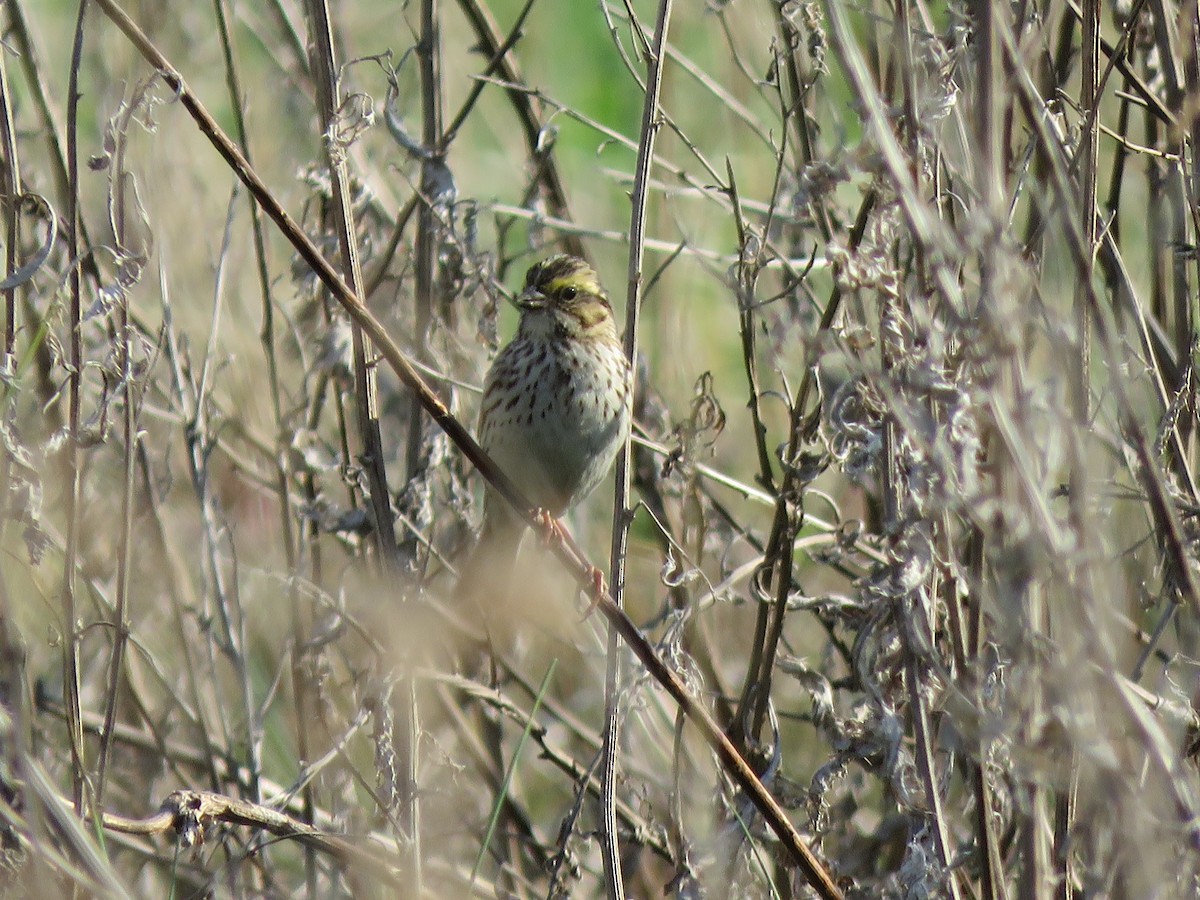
[576, 280]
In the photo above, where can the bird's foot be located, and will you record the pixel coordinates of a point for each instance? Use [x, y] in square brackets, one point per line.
[551, 530]
[599, 589]
[554, 535]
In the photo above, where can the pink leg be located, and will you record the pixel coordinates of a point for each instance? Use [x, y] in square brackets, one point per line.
[553, 534]
[599, 589]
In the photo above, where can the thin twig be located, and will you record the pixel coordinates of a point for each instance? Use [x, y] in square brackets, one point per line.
[622, 519]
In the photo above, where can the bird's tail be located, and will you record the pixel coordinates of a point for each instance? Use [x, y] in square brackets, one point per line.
[486, 576]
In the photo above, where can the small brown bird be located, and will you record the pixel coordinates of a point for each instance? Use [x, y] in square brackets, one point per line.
[555, 408]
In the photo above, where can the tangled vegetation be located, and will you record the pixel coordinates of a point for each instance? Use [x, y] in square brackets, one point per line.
[902, 593]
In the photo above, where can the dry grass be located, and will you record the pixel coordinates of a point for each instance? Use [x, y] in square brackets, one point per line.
[911, 595]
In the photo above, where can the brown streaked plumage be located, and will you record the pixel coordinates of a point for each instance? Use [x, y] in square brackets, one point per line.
[555, 407]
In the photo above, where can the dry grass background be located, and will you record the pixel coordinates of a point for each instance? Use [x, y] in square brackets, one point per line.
[914, 510]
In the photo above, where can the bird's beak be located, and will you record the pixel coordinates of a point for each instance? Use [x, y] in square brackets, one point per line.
[531, 298]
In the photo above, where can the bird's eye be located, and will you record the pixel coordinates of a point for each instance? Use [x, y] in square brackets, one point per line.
[569, 293]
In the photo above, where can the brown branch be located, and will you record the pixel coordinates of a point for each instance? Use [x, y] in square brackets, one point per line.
[188, 813]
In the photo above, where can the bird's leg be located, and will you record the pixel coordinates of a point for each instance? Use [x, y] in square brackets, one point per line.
[552, 532]
[599, 589]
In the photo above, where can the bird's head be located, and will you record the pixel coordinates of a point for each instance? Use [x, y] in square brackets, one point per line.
[563, 294]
